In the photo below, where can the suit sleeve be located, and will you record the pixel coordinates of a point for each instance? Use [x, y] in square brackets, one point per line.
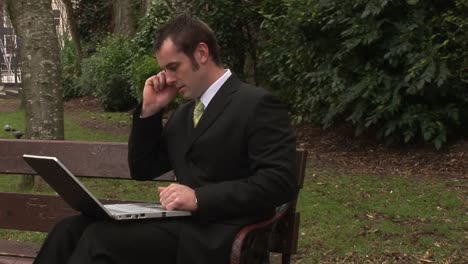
[271, 153]
[147, 151]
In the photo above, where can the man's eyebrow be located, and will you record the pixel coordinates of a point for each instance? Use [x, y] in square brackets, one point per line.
[171, 64]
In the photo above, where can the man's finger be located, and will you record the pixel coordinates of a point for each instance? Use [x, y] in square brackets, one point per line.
[168, 191]
[162, 81]
[155, 83]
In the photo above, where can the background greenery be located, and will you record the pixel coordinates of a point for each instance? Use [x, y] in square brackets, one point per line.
[395, 69]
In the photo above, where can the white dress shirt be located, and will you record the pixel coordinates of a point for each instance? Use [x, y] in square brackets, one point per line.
[214, 88]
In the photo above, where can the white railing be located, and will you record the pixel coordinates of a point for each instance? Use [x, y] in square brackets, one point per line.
[10, 78]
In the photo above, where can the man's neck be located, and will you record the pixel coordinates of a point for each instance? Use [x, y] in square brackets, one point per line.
[215, 74]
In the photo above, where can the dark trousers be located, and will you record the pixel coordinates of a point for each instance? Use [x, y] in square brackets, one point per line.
[82, 240]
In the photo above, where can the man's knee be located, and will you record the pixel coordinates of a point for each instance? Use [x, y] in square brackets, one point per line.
[75, 221]
[101, 232]
[72, 225]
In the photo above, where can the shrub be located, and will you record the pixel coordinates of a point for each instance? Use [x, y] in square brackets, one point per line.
[395, 67]
[236, 35]
[104, 74]
[140, 69]
[70, 71]
[158, 14]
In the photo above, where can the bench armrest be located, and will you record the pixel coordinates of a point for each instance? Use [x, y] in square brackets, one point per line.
[236, 250]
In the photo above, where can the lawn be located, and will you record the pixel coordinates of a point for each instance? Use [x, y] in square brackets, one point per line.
[358, 218]
[345, 218]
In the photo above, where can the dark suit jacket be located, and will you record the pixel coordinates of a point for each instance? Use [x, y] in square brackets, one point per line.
[240, 158]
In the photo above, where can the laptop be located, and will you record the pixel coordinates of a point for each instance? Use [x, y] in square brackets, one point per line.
[81, 199]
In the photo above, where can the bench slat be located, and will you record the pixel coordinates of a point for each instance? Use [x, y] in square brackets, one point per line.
[31, 212]
[14, 260]
[24, 250]
[83, 158]
[36, 212]
[95, 158]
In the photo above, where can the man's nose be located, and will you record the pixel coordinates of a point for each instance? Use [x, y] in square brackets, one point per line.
[170, 78]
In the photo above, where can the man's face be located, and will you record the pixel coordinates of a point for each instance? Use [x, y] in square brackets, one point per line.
[179, 69]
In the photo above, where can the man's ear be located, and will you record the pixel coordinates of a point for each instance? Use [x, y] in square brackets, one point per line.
[202, 53]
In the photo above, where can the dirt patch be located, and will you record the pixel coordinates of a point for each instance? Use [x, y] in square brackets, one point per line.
[338, 149]
[74, 109]
[9, 105]
[107, 126]
[90, 104]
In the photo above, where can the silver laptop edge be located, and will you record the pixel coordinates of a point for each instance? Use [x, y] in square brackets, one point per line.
[161, 213]
[73, 177]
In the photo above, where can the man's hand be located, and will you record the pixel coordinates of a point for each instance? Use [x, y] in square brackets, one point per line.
[157, 94]
[177, 196]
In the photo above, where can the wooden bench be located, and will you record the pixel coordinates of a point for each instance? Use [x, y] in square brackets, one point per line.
[39, 212]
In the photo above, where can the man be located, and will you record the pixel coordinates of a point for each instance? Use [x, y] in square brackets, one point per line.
[231, 149]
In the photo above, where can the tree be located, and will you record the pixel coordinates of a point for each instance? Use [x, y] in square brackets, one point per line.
[40, 64]
[73, 27]
[126, 14]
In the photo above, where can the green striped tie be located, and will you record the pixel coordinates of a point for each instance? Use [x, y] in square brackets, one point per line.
[197, 112]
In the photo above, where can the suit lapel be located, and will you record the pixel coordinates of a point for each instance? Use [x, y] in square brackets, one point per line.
[214, 109]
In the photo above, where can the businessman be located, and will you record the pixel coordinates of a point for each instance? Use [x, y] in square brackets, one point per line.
[230, 146]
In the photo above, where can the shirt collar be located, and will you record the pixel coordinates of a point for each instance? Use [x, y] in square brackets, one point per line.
[214, 88]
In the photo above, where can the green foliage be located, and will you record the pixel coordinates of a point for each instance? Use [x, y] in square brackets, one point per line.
[236, 35]
[158, 14]
[395, 67]
[94, 20]
[104, 74]
[141, 68]
[70, 71]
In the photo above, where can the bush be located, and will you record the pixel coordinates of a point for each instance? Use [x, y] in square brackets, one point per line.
[104, 74]
[70, 71]
[395, 67]
[241, 27]
[140, 69]
[158, 14]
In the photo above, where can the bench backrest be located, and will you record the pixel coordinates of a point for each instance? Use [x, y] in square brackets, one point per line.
[85, 159]
[34, 212]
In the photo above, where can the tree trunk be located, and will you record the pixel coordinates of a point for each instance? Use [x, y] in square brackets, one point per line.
[73, 27]
[34, 25]
[147, 6]
[126, 14]
[123, 21]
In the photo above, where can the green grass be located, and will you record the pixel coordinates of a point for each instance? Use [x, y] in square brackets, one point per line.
[344, 218]
[363, 215]
[113, 117]
[73, 130]
[15, 119]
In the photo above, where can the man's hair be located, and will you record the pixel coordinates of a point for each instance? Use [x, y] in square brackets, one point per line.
[187, 31]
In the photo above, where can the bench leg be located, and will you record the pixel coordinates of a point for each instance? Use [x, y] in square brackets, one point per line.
[285, 258]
